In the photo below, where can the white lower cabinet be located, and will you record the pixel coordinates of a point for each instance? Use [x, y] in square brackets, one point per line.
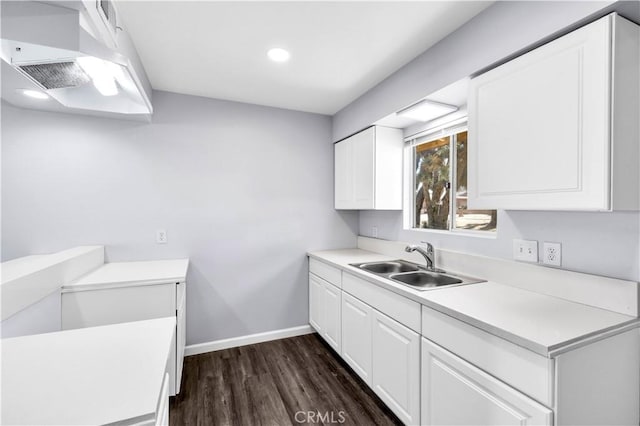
[396, 367]
[316, 288]
[357, 326]
[181, 332]
[332, 318]
[430, 368]
[325, 310]
[369, 333]
[455, 392]
[135, 302]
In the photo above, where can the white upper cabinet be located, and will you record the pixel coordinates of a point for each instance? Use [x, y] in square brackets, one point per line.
[558, 127]
[368, 170]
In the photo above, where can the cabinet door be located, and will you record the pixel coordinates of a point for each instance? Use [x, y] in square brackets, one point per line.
[332, 324]
[356, 336]
[343, 175]
[363, 168]
[396, 367]
[316, 295]
[181, 332]
[455, 392]
[539, 127]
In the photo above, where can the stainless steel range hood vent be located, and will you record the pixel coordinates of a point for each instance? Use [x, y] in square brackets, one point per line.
[56, 75]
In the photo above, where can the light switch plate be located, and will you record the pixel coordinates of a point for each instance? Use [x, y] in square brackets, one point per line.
[525, 250]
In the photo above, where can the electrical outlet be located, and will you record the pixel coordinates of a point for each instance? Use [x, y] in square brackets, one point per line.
[552, 254]
[161, 236]
[374, 232]
[525, 250]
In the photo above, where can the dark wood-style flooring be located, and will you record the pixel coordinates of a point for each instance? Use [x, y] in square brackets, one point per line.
[275, 383]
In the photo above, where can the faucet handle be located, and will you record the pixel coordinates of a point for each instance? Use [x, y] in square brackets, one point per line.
[429, 246]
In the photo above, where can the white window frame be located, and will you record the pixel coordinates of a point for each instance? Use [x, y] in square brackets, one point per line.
[408, 211]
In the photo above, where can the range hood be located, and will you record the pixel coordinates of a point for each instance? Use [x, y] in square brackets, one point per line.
[76, 53]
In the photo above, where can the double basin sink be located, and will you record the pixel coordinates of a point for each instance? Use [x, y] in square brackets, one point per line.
[413, 275]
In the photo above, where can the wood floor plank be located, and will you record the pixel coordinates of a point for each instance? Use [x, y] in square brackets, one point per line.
[268, 406]
[292, 381]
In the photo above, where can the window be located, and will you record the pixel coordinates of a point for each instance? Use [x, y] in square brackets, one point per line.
[439, 184]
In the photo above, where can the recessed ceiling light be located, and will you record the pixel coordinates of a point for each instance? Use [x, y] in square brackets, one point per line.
[34, 94]
[427, 110]
[278, 54]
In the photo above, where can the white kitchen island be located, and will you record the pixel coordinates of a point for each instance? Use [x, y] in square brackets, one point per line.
[131, 291]
[88, 376]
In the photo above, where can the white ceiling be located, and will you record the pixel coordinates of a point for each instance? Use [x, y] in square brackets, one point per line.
[339, 50]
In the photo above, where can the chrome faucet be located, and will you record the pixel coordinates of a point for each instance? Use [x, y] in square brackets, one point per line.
[428, 254]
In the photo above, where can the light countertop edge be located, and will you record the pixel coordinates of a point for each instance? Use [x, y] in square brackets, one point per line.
[337, 258]
[136, 273]
[78, 359]
[122, 284]
[546, 351]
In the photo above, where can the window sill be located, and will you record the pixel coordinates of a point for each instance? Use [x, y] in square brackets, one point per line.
[456, 232]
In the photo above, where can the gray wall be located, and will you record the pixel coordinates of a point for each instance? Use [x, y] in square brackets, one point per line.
[243, 191]
[501, 31]
[597, 243]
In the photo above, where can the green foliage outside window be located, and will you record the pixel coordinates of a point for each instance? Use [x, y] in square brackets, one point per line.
[435, 194]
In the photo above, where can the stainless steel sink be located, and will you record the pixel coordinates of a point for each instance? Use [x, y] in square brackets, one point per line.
[413, 275]
[393, 267]
[425, 279]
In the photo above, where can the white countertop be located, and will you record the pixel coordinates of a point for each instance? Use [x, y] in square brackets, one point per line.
[535, 321]
[539, 322]
[119, 274]
[87, 376]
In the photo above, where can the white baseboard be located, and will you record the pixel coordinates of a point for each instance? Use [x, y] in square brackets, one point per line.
[234, 342]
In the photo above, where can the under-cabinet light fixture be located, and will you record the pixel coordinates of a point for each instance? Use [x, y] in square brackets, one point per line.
[278, 54]
[36, 94]
[426, 110]
[101, 72]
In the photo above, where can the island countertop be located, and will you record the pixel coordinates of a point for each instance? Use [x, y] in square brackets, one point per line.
[122, 274]
[94, 375]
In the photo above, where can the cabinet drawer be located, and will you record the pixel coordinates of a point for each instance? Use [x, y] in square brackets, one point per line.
[455, 392]
[400, 308]
[326, 272]
[526, 371]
